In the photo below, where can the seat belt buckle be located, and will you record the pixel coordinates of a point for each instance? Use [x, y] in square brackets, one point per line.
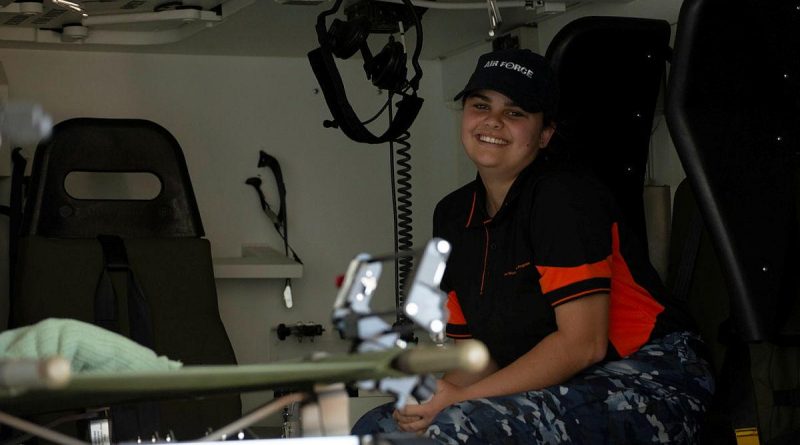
[747, 436]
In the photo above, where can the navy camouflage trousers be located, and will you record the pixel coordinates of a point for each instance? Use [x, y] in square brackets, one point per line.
[658, 394]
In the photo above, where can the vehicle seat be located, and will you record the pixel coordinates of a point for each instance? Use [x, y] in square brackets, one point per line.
[610, 71]
[733, 110]
[166, 290]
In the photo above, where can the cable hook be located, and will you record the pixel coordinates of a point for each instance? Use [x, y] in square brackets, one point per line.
[495, 20]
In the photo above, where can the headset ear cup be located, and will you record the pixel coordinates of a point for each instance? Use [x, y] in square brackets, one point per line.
[388, 70]
[346, 37]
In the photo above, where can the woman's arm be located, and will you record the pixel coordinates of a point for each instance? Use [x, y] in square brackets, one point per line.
[579, 342]
[461, 378]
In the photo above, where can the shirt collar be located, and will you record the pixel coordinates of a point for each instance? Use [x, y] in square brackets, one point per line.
[477, 216]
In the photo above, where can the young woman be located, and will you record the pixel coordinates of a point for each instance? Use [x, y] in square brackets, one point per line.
[586, 346]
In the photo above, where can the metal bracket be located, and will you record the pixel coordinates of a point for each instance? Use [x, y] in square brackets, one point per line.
[424, 305]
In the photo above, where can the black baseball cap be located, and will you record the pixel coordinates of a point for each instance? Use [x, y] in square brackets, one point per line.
[522, 75]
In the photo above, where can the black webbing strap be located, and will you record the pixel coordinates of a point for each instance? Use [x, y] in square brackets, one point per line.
[737, 381]
[691, 246]
[15, 205]
[142, 419]
[115, 259]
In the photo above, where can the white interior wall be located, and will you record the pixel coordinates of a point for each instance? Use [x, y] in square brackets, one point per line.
[223, 110]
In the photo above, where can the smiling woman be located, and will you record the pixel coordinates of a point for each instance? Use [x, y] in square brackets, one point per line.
[501, 138]
[586, 344]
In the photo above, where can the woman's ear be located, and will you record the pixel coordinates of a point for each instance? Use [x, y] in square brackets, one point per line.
[546, 134]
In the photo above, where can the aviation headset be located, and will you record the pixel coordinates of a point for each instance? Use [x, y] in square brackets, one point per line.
[387, 70]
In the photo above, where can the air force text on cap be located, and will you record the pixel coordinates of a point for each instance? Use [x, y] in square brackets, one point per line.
[527, 72]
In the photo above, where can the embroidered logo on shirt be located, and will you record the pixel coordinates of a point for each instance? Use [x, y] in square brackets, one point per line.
[517, 269]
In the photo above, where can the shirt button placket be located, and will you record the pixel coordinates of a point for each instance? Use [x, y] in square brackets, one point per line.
[490, 246]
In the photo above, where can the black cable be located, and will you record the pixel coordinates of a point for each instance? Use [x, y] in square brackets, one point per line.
[400, 167]
[255, 182]
[378, 114]
[280, 220]
[414, 82]
[395, 231]
[404, 195]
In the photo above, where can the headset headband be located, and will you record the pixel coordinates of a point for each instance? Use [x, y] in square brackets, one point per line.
[324, 67]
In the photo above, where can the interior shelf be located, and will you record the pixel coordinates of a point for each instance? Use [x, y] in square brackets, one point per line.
[257, 261]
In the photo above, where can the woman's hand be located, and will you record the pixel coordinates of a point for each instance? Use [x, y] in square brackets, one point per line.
[417, 418]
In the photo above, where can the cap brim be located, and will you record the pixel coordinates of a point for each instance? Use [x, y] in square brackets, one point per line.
[530, 104]
[461, 94]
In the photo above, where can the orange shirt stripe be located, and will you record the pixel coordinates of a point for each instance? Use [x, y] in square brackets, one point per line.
[632, 309]
[456, 315]
[553, 278]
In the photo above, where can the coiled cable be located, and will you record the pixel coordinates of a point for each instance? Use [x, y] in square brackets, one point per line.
[400, 166]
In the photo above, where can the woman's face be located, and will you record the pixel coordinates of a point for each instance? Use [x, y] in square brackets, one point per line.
[499, 136]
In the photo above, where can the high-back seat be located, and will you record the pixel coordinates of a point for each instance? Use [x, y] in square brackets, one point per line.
[733, 111]
[136, 266]
[610, 70]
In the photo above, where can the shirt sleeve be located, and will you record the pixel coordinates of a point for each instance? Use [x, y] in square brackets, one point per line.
[571, 233]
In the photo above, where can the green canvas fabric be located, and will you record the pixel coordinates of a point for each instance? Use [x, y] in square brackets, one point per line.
[775, 368]
[87, 347]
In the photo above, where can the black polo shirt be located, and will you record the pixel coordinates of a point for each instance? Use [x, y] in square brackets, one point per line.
[557, 237]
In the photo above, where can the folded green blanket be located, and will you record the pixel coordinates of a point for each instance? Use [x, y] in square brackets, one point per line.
[88, 348]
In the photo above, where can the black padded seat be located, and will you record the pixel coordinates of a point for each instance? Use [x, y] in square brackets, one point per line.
[733, 110]
[610, 70]
[61, 260]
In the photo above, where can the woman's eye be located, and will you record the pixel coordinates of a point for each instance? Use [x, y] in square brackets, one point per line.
[515, 113]
[481, 106]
